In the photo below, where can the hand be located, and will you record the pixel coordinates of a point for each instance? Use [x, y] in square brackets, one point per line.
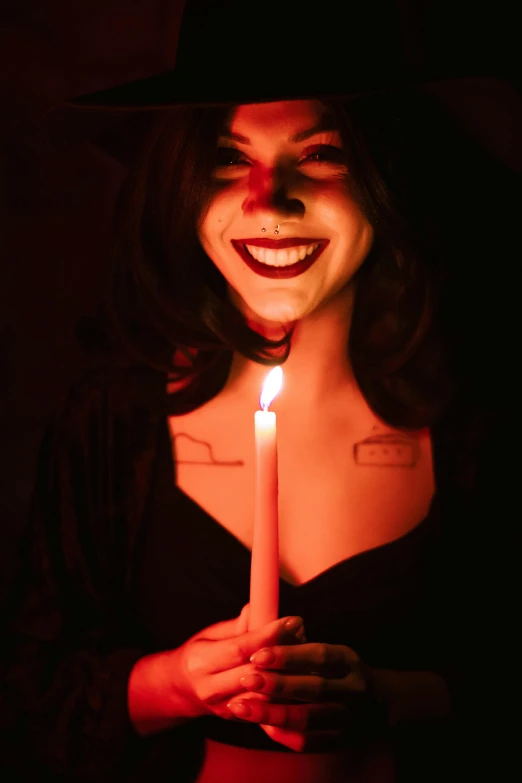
[310, 696]
[210, 664]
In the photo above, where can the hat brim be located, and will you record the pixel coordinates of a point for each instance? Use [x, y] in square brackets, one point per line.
[167, 90]
[491, 109]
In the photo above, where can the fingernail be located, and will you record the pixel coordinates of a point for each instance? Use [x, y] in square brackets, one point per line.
[252, 682]
[263, 657]
[294, 623]
[239, 708]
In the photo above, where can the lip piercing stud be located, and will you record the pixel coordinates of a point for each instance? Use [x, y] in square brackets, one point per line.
[277, 229]
[263, 230]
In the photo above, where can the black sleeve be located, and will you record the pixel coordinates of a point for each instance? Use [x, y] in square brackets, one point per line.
[485, 572]
[474, 596]
[70, 642]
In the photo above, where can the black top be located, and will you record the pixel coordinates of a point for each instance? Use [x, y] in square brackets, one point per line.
[379, 602]
[118, 562]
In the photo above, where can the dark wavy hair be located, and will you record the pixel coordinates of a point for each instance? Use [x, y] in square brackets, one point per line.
[418, 178]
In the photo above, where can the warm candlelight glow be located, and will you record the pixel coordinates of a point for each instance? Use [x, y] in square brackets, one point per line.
[271, 387]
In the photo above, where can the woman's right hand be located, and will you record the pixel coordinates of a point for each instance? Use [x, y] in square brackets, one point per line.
[209, 664]
[199, 678]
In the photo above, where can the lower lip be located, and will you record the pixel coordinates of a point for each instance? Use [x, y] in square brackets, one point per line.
[278, 272]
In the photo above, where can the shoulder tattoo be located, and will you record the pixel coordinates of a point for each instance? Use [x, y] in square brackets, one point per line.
[202, 453]
[388, 450]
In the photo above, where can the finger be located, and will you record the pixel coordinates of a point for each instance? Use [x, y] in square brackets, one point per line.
[220, 688]
[329, 660]
[309, 742]
[301, 635]
[306, 687]
[297, 717]
[236, 650]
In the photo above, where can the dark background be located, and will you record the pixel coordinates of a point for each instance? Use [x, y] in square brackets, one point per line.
[56, 193]
[57, 187]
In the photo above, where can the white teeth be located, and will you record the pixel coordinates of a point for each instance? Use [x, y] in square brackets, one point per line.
[285, 257]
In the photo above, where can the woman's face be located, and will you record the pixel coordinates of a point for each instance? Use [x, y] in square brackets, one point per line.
[281, 193]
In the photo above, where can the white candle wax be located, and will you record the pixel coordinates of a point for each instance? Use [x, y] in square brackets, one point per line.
[264, 572]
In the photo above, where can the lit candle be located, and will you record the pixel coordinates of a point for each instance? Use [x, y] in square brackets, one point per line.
[264, 569]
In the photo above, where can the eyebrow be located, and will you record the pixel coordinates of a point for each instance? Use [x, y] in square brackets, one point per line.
[325, 124]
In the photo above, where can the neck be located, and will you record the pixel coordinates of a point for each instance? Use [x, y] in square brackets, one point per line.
[318, 368]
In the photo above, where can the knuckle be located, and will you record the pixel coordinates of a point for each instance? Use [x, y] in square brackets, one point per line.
[223, 712]
[192, 668]
[322, 656]
[351, 656]
[204, 694]
[357, 681]
[195, 658]
[322, 688]
[236, 653]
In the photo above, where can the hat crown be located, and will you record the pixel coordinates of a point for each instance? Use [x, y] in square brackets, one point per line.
[279, 45]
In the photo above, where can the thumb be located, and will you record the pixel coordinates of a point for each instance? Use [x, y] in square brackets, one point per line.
[226, 629]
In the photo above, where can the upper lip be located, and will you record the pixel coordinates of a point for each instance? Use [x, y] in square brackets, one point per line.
[280, 244]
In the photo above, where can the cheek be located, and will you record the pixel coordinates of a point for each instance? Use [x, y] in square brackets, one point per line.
[228, 194]
[211, 223]
[339, 211]
[345, 218]
[221, 211]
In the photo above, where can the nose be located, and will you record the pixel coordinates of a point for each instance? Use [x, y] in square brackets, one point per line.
[268, 196]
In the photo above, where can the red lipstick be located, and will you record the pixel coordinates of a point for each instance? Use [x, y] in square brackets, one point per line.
[279, 272]
[280, 244]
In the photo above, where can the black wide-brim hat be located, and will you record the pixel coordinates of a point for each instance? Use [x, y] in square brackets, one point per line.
[228, 52]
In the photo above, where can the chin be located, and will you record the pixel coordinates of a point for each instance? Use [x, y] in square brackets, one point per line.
[266, 312]
[280, 314]
[275, 316]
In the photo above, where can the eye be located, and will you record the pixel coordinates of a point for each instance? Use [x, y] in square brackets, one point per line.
[230, 156]
[323, 153]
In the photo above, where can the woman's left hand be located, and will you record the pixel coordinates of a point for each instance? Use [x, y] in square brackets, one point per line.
[309, 696]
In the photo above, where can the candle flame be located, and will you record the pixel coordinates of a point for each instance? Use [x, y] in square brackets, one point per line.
[271, 387]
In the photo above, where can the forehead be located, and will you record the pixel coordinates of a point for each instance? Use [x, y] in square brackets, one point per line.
[281, 117]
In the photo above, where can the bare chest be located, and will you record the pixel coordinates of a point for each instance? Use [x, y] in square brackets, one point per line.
[343, 489]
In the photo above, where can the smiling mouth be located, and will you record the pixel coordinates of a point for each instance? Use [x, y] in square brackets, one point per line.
[286, 259]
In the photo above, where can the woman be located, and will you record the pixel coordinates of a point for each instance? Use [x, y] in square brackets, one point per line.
[319, 235]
